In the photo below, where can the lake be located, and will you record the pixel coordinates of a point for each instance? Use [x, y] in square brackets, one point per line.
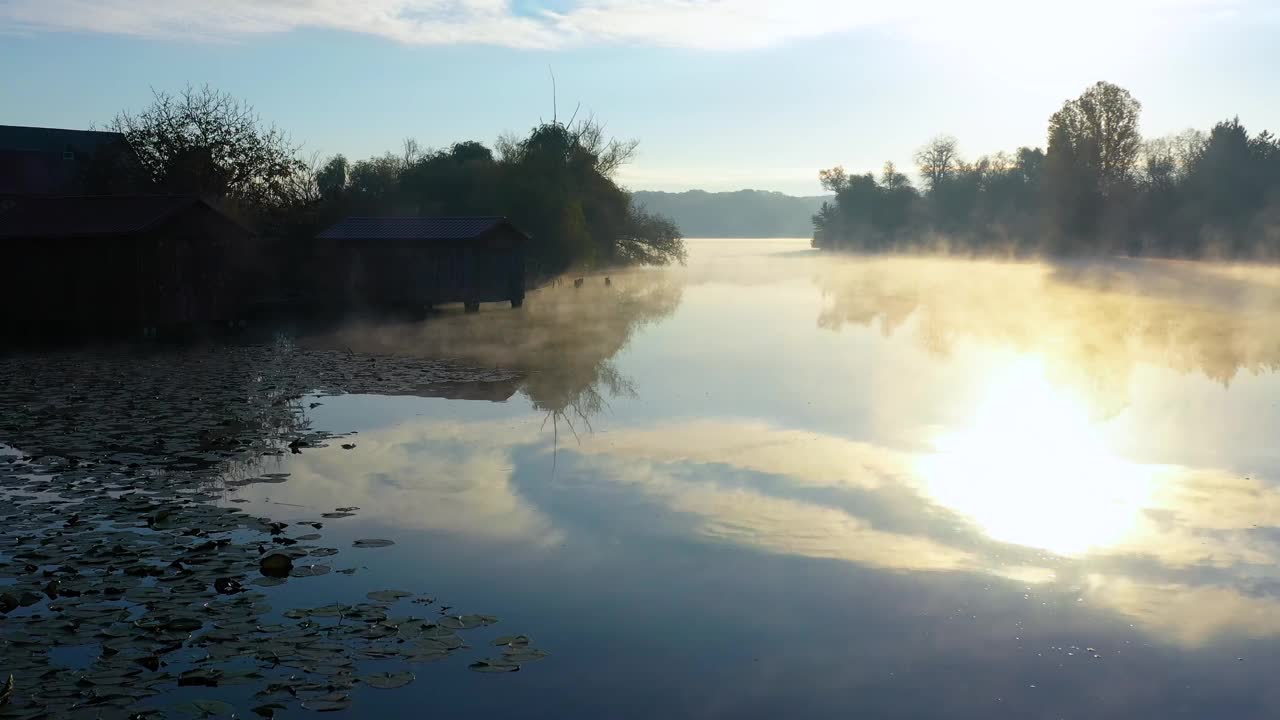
[772, 483]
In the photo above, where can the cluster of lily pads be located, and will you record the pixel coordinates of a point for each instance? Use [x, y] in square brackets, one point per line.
[114, 553]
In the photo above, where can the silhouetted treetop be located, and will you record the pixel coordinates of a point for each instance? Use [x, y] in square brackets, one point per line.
[208, 142]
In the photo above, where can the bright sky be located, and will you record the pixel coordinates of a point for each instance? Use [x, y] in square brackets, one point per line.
[722, 94]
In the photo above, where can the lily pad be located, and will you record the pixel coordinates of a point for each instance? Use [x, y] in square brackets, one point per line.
[387, 680]
[372, 543]
[322, 705]
[388, 595]
[206, 708]
[493, 665]
[425, 655]
[276, 565]
[520, 655]
[310, 571]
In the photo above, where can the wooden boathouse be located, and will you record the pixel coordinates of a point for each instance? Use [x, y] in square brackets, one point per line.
[414, 263]
[114, 265]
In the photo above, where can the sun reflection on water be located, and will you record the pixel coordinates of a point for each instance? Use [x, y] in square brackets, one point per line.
[1032, 469]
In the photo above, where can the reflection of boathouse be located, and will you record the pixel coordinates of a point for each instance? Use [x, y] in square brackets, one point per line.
[490, 390]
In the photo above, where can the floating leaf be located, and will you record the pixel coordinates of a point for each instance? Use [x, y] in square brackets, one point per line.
[512, 640]
[388, 595]
[425, 655]
[327, 611]
[268, 581]
[336, 515]
[493, 665]
[388, 680]
[322, 705]
[227, 586]
[372, 543]
[199, 676]
[276, 565]
[310, 571]
[520, 655]
[184, 624]
[439, 632]
[206, 708]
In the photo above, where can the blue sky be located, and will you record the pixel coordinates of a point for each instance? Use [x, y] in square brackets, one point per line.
[722, 94]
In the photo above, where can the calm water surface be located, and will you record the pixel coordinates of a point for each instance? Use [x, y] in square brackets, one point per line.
[778, 484]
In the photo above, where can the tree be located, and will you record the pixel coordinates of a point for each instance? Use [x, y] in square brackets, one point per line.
[938, 160]
[649, 239]
[208, 142]
[833, 180]
[557, 183]
[331, 179]
[1101, 126]
[892, 180]
[1071, 188]
[897, 198]
[374, 184]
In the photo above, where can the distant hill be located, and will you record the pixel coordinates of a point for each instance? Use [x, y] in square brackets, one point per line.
[742, 214]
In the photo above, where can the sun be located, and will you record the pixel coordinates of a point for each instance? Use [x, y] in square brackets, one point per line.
[1032, 469]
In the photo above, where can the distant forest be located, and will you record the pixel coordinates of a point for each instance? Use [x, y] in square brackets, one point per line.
[1099, 188]
[556, 183]
[739, 214]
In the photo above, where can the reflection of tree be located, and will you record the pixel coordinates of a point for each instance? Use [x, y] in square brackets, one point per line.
[566, 397]
[1092, 322]
[574, 334]
[563, 339]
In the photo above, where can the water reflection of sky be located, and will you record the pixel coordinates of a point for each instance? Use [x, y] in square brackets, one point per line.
[889, 488]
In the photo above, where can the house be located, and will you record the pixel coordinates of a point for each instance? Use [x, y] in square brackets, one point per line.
[121, 265]
[416, 262]
[37, 162]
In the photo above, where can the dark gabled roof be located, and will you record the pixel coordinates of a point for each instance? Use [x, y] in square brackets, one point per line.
[91, 216]
[413, 228]
[54, 140]
[48, 161]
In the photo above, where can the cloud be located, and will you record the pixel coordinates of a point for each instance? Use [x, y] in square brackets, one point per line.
[748, 518]
[463, 486]
[1190, 615]
[700, 24]
[1183, 519]
[804, 458]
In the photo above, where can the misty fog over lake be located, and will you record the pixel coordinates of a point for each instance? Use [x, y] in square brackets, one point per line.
[770, 483]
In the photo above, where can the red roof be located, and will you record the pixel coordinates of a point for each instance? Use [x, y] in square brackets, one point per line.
[91, 216]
